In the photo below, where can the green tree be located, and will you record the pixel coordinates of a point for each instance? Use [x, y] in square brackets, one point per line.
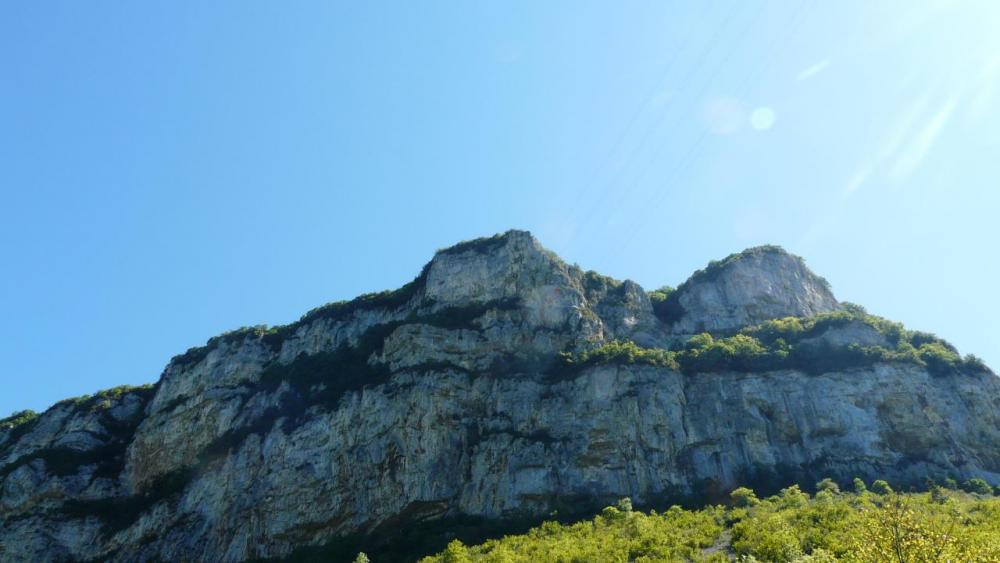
[828, 484]
[700, 341]
[939, 358]
[456, 552]
[792, 497]
[938, 494]
[744, 497]
[625, 504]
[859, 486]
[900, 531]
[977, 486]
[880, 487]
[767, 537]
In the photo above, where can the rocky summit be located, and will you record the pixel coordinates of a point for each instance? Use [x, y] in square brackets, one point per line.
[499, 386]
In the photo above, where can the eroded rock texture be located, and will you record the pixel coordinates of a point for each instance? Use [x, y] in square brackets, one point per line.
[446, 398]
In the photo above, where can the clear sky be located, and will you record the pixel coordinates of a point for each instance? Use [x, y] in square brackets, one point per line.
[172, 170]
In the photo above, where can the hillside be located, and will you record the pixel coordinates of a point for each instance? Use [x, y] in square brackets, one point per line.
[499, 387]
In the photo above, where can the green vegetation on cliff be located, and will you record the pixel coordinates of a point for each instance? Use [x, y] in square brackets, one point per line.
[620, 352]
[940, 525]
[798, 343]
[17, 419]
[658, 299]
[275, 336]
[106, 398]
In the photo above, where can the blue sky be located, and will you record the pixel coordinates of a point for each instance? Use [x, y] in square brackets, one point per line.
[170, 171]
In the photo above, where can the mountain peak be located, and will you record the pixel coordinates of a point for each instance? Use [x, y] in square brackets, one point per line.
[485, 245]
[502, 266]
[748, 287]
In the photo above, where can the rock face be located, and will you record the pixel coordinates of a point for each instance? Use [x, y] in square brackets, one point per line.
[750, 287]
[445, 399]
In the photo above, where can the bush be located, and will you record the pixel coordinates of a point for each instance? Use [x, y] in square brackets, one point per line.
[859, 486]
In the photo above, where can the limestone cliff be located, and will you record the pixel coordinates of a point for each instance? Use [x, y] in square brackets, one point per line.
[747, 288]
[483, 389]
